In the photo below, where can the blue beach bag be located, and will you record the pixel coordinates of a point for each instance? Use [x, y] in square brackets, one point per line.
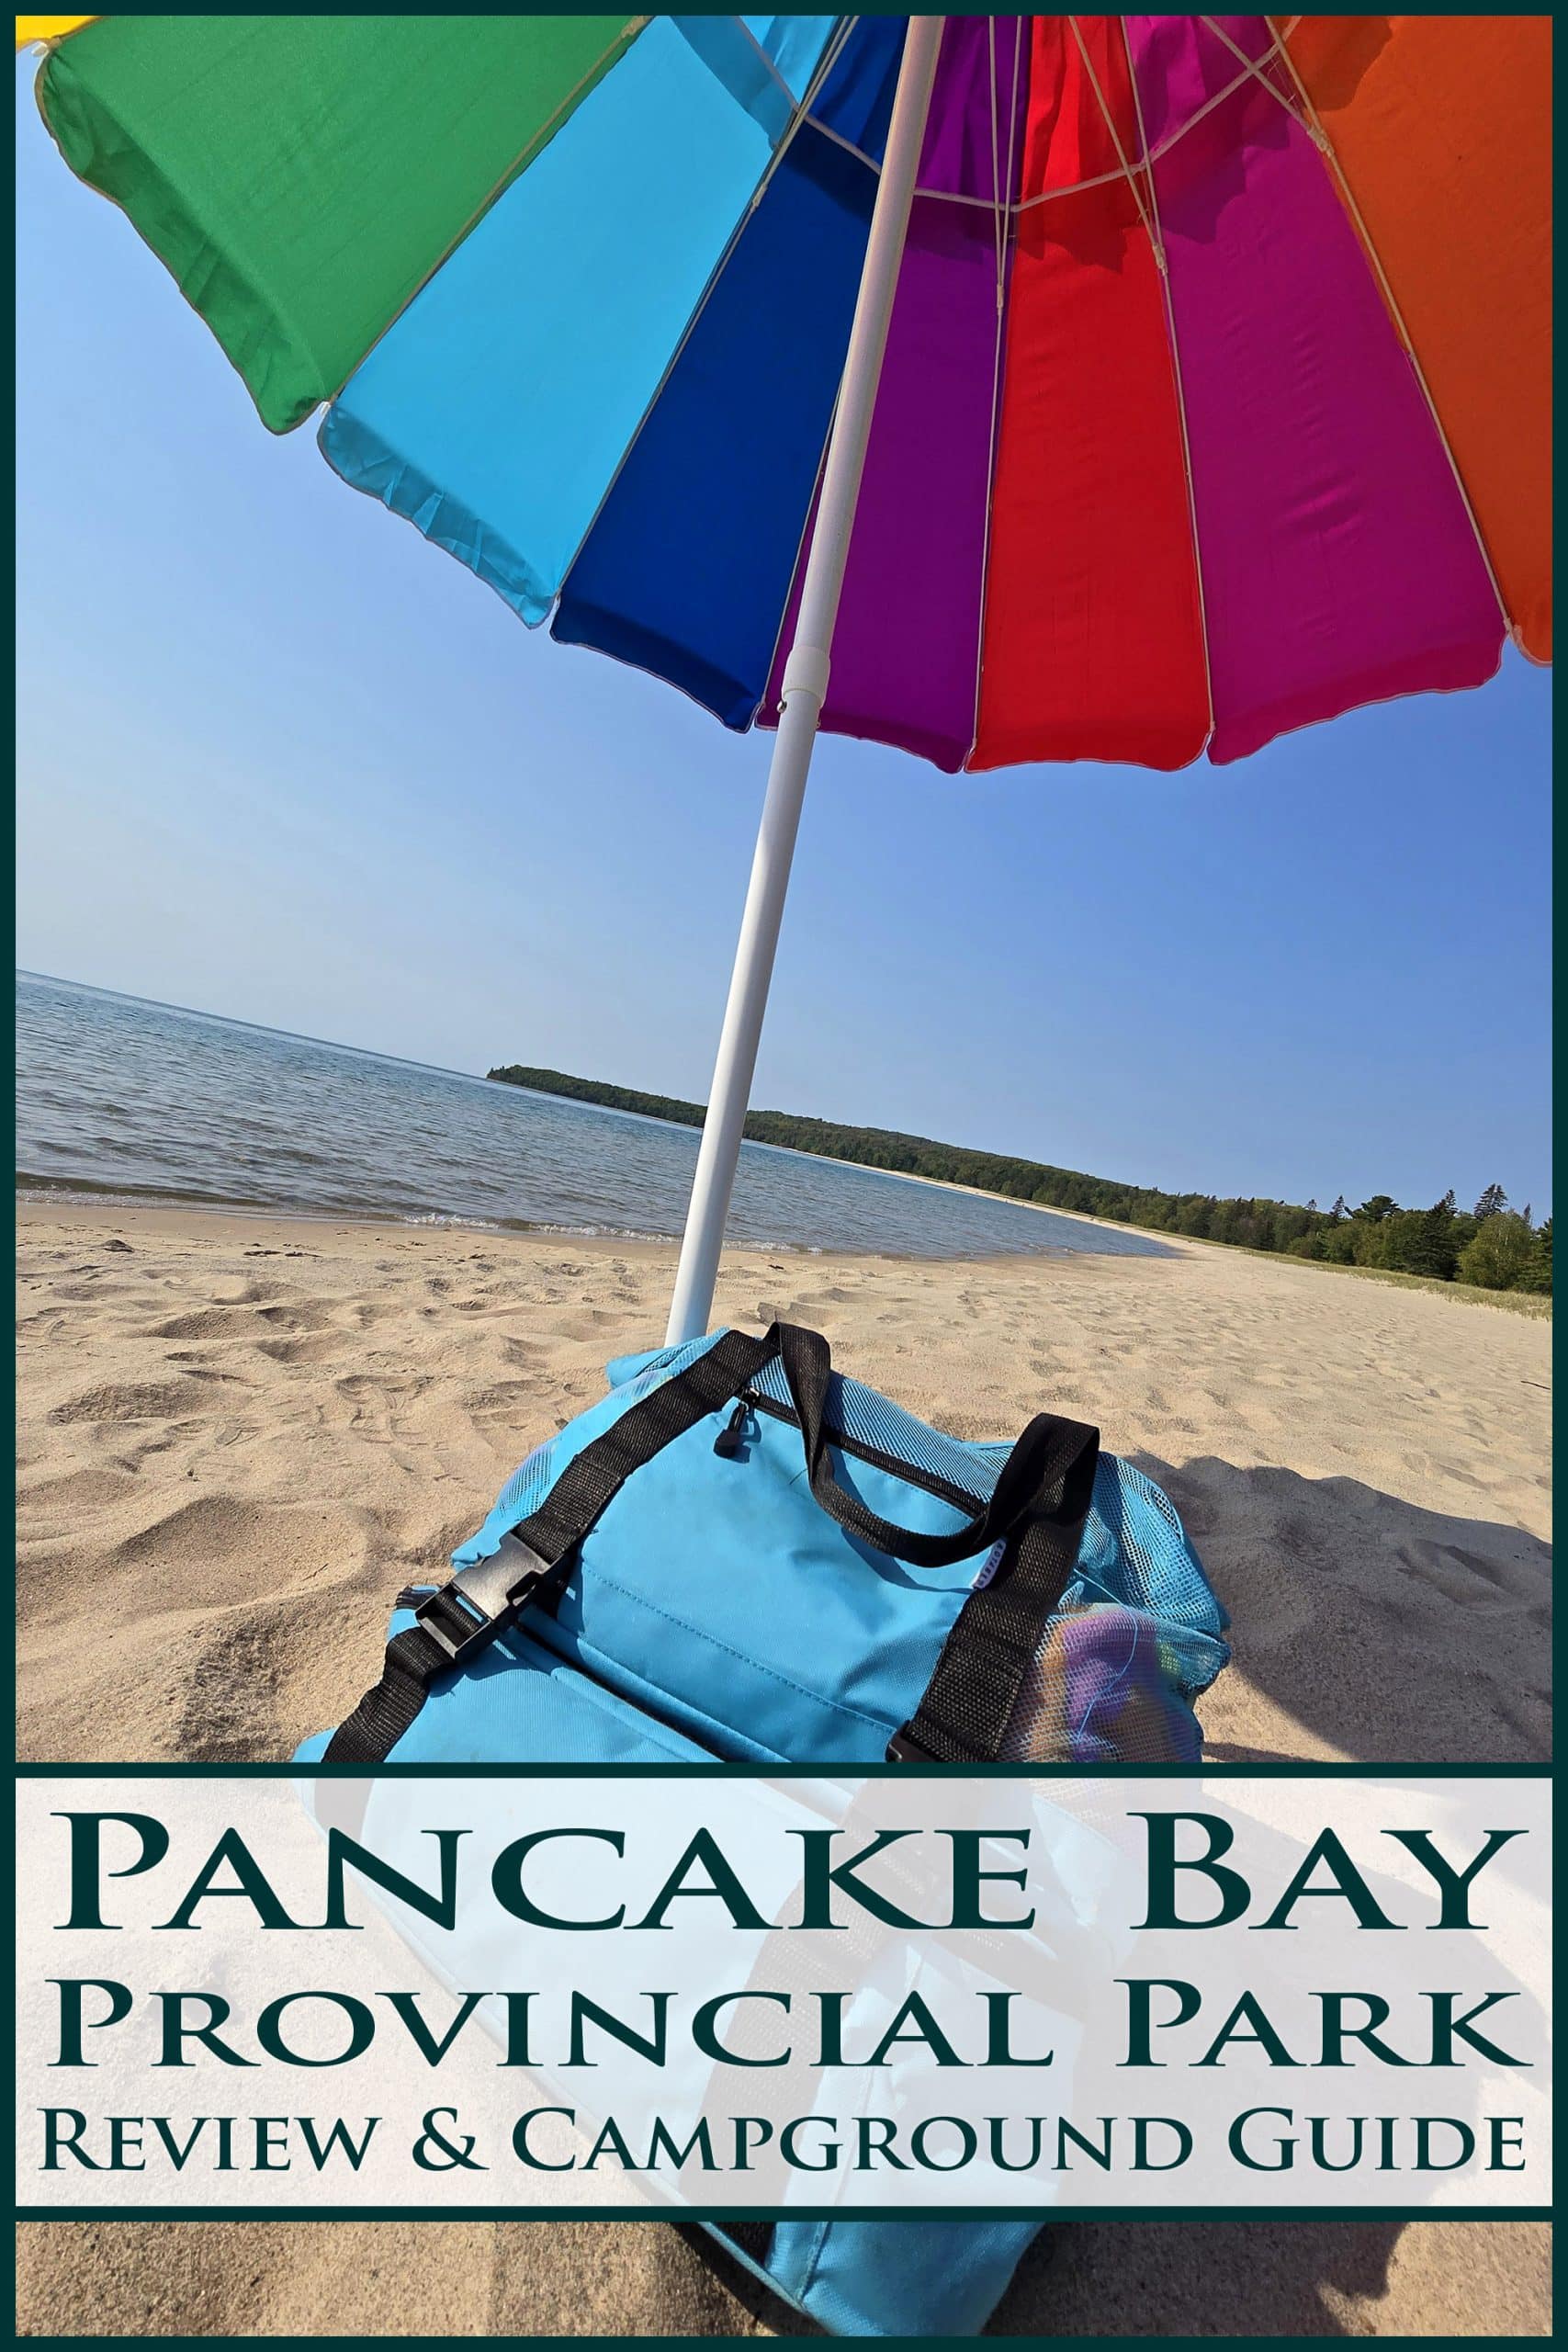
[737, 1553]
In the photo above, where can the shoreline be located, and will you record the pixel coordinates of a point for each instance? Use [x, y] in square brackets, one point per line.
[68, 1202]
[65, 1202]
[225, 1221]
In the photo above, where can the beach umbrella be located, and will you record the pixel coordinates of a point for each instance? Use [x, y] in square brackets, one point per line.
[1005, 389]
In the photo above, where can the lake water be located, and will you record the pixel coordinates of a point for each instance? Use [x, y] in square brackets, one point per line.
[147, 1101]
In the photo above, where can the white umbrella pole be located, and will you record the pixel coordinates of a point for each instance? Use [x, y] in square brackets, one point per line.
[803, 692]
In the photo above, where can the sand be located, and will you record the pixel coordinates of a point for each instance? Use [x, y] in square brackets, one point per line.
[239, 1436]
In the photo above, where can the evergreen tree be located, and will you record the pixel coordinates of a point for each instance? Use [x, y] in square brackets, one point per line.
[1538, 1276]
[1428, 1242]
[1339, 1209]
[1492, 1202]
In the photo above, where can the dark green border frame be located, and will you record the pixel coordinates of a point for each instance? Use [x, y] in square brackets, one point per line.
[417, 2343]
[1281, 1770]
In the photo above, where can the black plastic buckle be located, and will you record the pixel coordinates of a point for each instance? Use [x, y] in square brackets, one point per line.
[470, 1608]
[904, 1749]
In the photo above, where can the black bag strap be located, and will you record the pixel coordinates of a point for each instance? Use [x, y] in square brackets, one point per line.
[1031, 1477]
[535, 1558]
[974, 1686]
[1037, 1507]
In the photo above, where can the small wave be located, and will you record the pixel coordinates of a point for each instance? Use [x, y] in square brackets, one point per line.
[586, 1231]
[67, 1188]
[442, 1217]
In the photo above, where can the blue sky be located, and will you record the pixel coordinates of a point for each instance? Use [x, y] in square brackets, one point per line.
[279, 759]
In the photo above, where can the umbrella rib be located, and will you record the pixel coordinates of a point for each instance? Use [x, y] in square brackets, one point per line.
[957, 196]
[1190, 123]
[931, 194]
[1146, 157]
[996, 158]
[1321, 140]
[1005, 211]
[1255, 73]
[1074, 187]
[1127, 173]
[1163, 265]
[799, 114]
[847, 144]
[767, 61]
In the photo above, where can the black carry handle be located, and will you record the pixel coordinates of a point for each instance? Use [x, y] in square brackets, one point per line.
[1041, 1496]
[1052, 1454]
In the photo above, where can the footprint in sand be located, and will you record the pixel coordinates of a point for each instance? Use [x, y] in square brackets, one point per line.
[586, 1324]
[299, 1316]
[521, 1352]
[380, 1398]
[311, 1347]
[504, 1400]
[359, 1313]
[1491, 1586]
[171, 1437]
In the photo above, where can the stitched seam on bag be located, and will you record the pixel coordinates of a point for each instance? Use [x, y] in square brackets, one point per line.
[814, 2259]
[712, 1730]
[610, 1705]
[834, 1706]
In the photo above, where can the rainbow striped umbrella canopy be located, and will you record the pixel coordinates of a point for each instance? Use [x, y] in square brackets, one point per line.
[1215, 395]
[999, 387]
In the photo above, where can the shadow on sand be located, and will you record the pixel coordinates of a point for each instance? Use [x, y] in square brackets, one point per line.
[1384, 1633]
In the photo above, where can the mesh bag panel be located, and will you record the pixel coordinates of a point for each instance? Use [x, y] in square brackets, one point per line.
[872, 1420]
[1136, 1638]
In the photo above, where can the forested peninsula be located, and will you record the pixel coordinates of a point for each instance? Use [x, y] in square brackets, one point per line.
[1491, 1245]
